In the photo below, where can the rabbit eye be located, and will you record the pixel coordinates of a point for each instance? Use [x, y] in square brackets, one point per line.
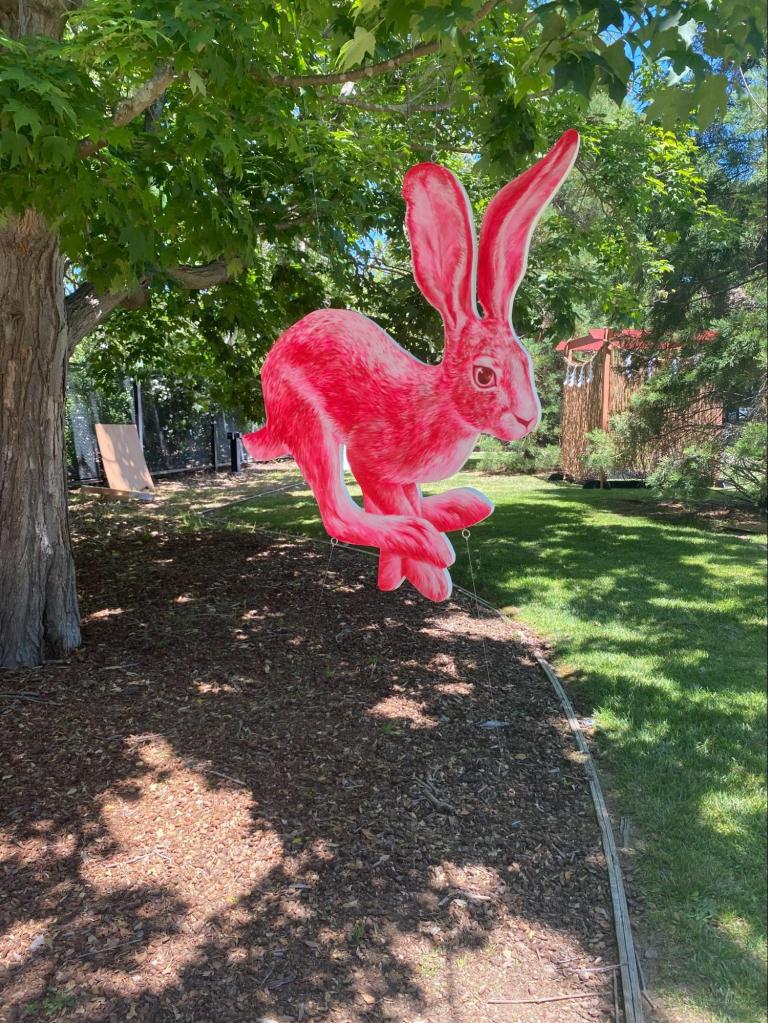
[484, 376]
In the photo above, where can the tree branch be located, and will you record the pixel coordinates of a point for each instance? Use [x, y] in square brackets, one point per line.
[751, 95]
[195, 278]
[86, 309]
[287, 225]
[383, 67]
[391, 108]
[132, 106]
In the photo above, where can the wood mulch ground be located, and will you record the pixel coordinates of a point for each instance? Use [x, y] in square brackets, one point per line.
[263, 790]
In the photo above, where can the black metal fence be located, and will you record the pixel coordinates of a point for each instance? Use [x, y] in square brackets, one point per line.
[177, 433]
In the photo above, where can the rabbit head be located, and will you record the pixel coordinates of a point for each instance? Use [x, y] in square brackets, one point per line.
[487, 371]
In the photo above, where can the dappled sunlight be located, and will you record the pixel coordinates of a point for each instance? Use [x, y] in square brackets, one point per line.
[661, 620]
[312, 821]
[400, 708]
[455, 688]
[106, 612]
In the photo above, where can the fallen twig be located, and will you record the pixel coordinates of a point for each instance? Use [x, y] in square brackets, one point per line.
[593, 969]
[143, 856]
[207, 770]
[429, 792]
[32, 697]
[109, 948]
[541, 1001]
[267, 975]
[650, 1001]
[461, 894]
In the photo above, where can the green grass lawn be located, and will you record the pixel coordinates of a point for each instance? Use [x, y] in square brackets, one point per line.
[660, 626]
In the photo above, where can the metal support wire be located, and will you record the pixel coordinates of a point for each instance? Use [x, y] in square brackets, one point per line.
[466, 535]
[246, 500]
[321, 595]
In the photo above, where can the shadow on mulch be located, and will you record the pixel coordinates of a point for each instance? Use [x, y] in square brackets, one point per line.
[264, 791]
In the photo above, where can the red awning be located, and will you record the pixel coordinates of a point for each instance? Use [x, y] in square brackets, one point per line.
[590, 342]
[626, 339]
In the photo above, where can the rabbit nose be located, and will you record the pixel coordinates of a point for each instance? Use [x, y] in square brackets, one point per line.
[524, 422]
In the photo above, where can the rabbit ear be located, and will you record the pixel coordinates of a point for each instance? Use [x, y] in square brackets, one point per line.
[509, 222]
[439, 224]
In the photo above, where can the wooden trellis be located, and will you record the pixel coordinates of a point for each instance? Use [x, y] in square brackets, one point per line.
[604, 369]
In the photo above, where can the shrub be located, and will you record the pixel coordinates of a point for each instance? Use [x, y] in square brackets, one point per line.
[517, 456]
[686, 476]
[601, 455]
[506, 461]
[486, 443]
[744, 464]
[546, 458]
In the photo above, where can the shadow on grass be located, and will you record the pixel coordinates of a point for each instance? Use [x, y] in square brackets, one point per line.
[666, 622]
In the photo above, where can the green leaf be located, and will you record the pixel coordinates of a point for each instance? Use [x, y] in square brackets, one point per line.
[553, 26]
[670, 106]
[364, 6]
[617, 89]
[196, 83]
[579, 74]
[610, 12]
[354, 50]
[56, 150]
[15, 146]
[712, 95]
[618, 61]
[24, 116]
[18, 75]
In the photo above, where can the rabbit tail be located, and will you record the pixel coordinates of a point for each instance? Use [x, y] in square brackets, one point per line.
[263, 446]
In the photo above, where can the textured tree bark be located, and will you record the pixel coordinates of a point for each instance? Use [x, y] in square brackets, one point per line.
[39, 616]
[20, 18]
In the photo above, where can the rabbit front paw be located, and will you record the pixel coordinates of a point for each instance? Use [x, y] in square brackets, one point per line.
[418, 539]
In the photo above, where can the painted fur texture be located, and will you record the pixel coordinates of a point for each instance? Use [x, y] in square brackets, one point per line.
[336, 380]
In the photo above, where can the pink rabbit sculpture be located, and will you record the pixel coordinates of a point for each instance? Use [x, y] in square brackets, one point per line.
[335, 380]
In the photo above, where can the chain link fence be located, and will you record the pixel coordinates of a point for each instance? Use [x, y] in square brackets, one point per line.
[178, 434]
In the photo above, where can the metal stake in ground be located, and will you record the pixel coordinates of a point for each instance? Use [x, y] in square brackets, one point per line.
[312, 631]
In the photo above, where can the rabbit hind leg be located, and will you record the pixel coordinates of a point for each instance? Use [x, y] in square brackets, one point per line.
[318, 454]
[391, 574]
[434, 583]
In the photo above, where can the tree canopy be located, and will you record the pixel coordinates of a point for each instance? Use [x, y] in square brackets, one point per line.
[190, 132]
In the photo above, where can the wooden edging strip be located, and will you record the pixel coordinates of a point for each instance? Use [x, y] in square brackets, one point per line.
[631, 985]
[630, 978]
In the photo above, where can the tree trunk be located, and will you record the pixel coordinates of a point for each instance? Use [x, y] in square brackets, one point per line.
[39, 616]
[20, 18]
